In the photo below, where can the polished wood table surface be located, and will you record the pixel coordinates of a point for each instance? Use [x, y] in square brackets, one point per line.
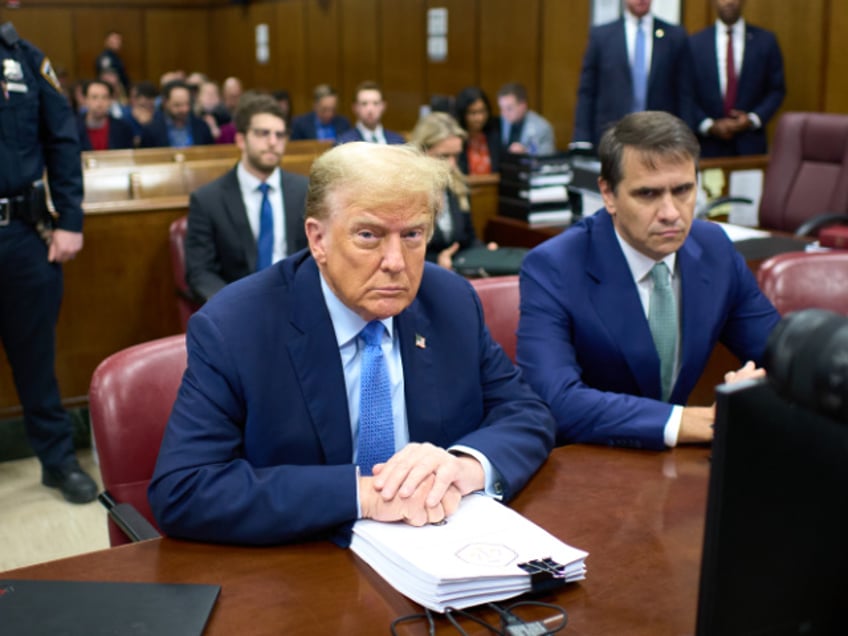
[639, 514]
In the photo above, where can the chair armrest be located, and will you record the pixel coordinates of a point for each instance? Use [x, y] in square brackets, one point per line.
[707, 209]
[813, 225]
[128, 519]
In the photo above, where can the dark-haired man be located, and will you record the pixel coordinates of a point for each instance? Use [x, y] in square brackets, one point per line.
[252, 216]
[369, 106]
[98, 129]
[323, 122]
[174, 124]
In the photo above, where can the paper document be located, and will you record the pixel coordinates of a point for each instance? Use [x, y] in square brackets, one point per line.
[545, 194]
[739, 233]
[483, 553]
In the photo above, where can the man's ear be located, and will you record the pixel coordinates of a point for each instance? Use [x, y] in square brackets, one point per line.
[607, 194]
[317, 237]
[240, 141]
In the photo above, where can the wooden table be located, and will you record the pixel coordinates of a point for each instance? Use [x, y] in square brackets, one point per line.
[640, 515]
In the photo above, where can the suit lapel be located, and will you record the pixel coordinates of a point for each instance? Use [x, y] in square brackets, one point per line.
[418, 342]
[697, 308]
[322, 385]
[619, 50]
[290, 217]
[237, 215]
[617, 304]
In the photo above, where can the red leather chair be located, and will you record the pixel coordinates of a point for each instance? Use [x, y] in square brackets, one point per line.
[186, 302]
[500, 298]
[806, 280]
[807, 174]
[130, 400]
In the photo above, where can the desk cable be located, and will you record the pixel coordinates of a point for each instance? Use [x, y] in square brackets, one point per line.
[510, 624]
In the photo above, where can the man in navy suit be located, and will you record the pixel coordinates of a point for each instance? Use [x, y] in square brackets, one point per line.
[174, 124]
[323, 122]
[610, 75]
[369, 106]
[224, 216]
[267, 443]
[737, 83]
[97, 129]
[620, 313]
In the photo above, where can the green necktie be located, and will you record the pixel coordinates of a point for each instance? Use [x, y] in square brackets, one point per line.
[662, 319]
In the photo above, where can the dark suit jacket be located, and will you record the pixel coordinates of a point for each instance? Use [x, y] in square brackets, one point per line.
[219, 244]
[259, 445]
[761, 89]
[605, 94]
[354, 135]
[463, 231]
[155, 134]
[583, 339]
[120, 133]
[305, 126]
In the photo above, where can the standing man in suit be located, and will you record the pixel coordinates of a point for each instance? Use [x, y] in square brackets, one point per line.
[97, 128]
[620, 313]
[523, 131]
[174, 124]
[323, 122]
[369, 106]
[737, 83]
[110, 59]
[634, 63]
[252, 216]
[349, 381]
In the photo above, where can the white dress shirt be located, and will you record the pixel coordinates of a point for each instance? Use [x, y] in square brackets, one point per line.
[368, 135]
[252, 198]
[631, 22]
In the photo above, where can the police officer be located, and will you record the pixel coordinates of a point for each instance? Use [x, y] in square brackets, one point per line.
[37, 130]
[110, 60]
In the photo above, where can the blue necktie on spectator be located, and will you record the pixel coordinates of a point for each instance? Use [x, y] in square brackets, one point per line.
[662, 319]
[640, 72]
[265, 242]
[376, 427]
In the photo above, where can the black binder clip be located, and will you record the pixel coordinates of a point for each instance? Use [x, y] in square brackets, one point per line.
[545, 574]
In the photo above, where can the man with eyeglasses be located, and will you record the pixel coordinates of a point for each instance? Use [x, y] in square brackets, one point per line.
[252, 216]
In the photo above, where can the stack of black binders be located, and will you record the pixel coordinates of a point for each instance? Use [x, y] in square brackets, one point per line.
[535, 188]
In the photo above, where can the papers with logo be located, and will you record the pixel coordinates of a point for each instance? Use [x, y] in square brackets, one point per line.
[483, 553]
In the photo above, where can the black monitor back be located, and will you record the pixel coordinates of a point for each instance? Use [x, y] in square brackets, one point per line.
[775, 558]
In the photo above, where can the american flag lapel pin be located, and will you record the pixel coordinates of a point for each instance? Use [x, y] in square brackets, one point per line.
[420, 341]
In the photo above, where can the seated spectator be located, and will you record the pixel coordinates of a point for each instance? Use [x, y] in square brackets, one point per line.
[209, 108]
[231, 91]
[119, 96]
[174, 124]
[284, 100]
[523, 131]
[272, 439]
[369, 106]
[323, 122]
[97, 128]
[440, 136]
[139, 112]
[481, 150]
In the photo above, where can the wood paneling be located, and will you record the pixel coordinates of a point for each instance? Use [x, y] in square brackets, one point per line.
[460, 68]
[402, 53]
[288, 55]
[836, 62]
[90, 28]
[50, 31]
[323, 61]
[182, 41]
[230, 31]
[360, 48]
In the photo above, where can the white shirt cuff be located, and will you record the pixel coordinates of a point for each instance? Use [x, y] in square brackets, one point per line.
[755, 121]
[705, 126]
[493, 481]
[672, 426]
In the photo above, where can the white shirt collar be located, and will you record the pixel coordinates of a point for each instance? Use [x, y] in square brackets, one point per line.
[347, 323]
[641, 265]
[738, 27]
[366, 134]
[250, 183]
[633, 21]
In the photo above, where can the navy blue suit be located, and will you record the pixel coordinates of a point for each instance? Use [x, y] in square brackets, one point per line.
[259, 447]
[761, 89]
[583, 339]
[605, 94]
[155, 134]
[354, 135]
[306, 126]
[120, 134]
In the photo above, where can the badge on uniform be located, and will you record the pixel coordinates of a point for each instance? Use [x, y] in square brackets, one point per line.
[12, 71]
[49, 74]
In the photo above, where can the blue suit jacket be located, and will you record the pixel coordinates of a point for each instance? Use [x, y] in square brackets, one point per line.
[305, 126]
[155, 134]
[258, 449]
[354, 135]
[583, 339]
[761, 89]
[605, 94]
[120, 134]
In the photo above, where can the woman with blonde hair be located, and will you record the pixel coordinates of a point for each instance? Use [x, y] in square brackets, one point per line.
[439, 135]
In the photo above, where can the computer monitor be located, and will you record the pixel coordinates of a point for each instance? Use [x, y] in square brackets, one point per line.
[775, 555]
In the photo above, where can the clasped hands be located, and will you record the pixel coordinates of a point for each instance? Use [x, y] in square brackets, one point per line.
[728, 127]
[419, 484]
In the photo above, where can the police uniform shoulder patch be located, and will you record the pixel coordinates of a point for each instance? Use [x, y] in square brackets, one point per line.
[49, 74]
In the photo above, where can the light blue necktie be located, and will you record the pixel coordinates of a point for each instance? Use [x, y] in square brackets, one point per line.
[376, 427]
[265, 242]
[662, 319]
[640, 72]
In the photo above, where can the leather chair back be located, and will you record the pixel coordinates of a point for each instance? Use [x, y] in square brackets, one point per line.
[130, 401]
[806, 280]
[500, 298]
[807, 173]
[176, 239]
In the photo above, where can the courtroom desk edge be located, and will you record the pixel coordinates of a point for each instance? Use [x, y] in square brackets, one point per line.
[177, 202]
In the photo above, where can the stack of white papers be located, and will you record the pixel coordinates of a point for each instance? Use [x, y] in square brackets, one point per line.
[475, 557]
